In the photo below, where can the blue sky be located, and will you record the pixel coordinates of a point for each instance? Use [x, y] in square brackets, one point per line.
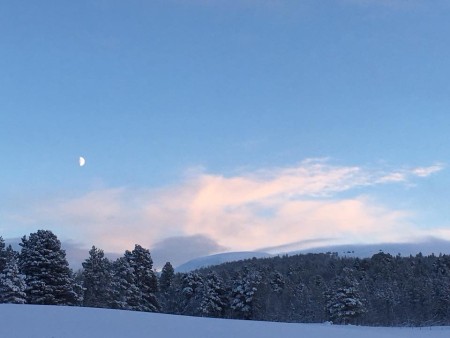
[172, 101]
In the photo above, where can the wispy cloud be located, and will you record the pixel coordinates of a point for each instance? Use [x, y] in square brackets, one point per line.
[404, 175]
[261, 208]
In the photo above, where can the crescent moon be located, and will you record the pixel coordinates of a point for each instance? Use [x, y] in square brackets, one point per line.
[82, 161]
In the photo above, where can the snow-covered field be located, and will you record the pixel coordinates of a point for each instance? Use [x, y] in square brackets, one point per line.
[34, 321]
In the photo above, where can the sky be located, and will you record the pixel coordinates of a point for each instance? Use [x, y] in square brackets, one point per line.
[212, 126]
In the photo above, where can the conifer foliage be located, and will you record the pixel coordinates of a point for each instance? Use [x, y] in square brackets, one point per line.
[2, 253]
[97, 279]
[344, 302]
[141, 263]
[12, 284]
[134, 283]
[381, 290]
[167, 274]
[214, 301]
[47, 274]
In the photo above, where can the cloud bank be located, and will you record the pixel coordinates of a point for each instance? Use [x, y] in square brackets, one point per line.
[314, 201]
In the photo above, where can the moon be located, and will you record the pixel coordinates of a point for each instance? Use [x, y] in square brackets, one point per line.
[82, 161]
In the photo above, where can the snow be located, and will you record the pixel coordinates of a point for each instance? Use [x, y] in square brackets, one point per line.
[24, 321]
[202, 262]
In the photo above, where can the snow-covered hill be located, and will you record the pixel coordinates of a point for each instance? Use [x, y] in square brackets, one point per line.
[26, 321]
[219, 259]
[426, 247]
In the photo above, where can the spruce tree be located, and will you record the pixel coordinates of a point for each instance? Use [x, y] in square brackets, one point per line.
[47, 273]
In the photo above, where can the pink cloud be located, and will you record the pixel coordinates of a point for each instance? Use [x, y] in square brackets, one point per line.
[263, 208]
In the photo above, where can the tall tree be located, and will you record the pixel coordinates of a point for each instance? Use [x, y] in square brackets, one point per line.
[2, 253]
[167, 274]
[243, 293]
[214, 300]
[125, 294]
[344, 303]
[134, 282]
[190, 295]
[12, 284]
[146, 281]
[47, 274]
[97, 279]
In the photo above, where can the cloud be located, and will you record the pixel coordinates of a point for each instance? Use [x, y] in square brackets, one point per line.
[406, 174]
[207, 212]
[427, 171]
[181, 249]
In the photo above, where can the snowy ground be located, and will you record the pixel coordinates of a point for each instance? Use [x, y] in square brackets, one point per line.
[25, 321]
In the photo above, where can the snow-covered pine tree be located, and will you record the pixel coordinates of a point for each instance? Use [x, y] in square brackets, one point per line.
[125, 294]
[191, 293]
[146, 281]
[2, 253]
[344, 303]
[214, 300]
[167, 274]
[441, 290]
[12, 284]
[97, 279]
[277, 282]
[47, 273]
[243, 293]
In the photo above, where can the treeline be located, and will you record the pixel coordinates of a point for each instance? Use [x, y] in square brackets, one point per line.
[40, 274]
[381, 290]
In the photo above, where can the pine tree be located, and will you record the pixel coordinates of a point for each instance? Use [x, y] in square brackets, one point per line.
[47, 273]
[97, 279]
[214, 300]
[441, 290]
[243, 293]
[344, 303]
[125, 294]
[2, 254]
[12, 284]
[191, 293]
[146, 281]
[134, 283]
[167, 274]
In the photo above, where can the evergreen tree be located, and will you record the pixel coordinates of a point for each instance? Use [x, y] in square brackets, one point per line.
[191, 294]
[125, 294]
[243, 293]
[167, 274]
[134, 283]
[214, 300]
[12, 284]
[46, 270]
[2, 254]
[145, 278]
[97, 279]
[344, 303]
[441, 290]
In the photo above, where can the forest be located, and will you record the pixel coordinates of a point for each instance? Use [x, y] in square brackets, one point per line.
[382, 290]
